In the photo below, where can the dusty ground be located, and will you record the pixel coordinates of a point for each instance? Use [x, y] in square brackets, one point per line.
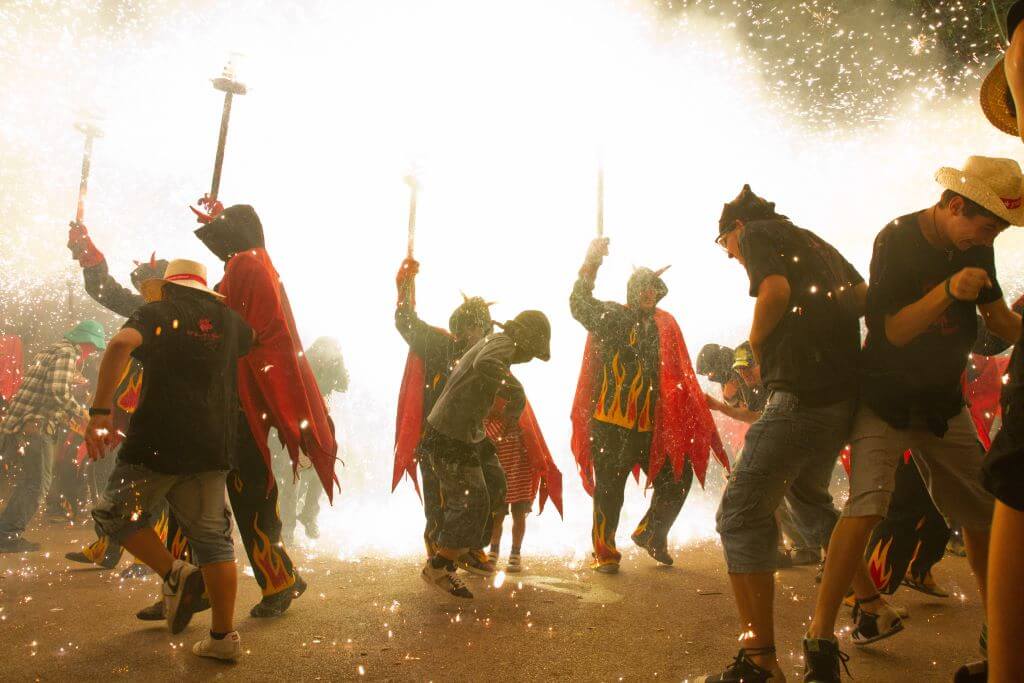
[375, 619]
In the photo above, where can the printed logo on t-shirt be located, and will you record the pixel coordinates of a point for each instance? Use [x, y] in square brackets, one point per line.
[945, 324]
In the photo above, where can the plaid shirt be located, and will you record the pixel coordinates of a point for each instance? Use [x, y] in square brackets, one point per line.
[45, 393]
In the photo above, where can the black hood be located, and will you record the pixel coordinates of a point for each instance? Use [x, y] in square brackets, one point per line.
[236, 229]
[746, 207]
[472, 311]
[715, 359]
[643, 279]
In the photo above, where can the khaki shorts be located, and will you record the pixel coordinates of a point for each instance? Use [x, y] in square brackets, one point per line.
[950, 467]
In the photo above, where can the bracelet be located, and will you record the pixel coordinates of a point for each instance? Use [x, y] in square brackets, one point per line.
[99, 411]
[949, 292]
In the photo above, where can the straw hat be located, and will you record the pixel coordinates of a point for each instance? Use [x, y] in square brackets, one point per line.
[997, 100]
[995, 184]
[181, 272]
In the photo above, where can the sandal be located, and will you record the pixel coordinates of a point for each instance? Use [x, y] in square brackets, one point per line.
[871, 627]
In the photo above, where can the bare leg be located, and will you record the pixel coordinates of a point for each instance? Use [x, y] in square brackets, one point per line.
[221, 585]
[1006, 595]
[497, 529]
[977, 543]
[845, 556]
[146, 545]
[518, 530]
[755, 602]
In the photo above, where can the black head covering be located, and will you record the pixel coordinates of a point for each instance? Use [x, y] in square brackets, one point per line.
[716, 359]
[531, 331]
[150, 270]
[471, 312]
[643, 279]
[746, 207]
[324, 356]
[236, 229]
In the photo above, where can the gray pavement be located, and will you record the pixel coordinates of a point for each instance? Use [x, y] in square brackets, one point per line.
[374, 619]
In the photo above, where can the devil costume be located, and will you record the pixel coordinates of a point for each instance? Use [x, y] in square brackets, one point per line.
[277, 390]
[115, 297]
[433, 354]
[638, 407]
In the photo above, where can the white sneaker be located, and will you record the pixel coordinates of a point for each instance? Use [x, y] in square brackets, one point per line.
[514, 564]
[445, 579]
[228, 648]
[182, 593]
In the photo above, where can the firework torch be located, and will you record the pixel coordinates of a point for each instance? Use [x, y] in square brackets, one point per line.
[600, 200]
[227, 84]
[91, 132]
[414, 188]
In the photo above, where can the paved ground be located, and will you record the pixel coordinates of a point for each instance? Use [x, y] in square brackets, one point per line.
[375, 619]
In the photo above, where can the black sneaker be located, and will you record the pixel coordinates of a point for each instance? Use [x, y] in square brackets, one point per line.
[18, 545]
[658, 552]
[276, 605]
[476, 562]
[822, 658]
[154, 612]
[743, 669]
[975, 672]
[873, 627]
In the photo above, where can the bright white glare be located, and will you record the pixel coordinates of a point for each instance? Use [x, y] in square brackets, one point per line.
[504, 110]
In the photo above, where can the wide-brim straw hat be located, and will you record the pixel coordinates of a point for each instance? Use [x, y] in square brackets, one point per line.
[183, 273]
[995, 184]
[997, 100]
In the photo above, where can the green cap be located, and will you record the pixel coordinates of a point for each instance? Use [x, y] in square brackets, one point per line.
[88, 332]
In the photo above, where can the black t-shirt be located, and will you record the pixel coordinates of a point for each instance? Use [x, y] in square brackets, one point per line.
[813, 351]
[922, 379]
[187, 416]
[1014, 16]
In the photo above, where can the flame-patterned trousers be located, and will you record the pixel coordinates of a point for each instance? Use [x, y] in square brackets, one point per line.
[912, 536]
[617, 452]
[252, 491]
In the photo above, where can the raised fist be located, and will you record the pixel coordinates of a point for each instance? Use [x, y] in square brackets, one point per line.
[968, 283]
[597, 250]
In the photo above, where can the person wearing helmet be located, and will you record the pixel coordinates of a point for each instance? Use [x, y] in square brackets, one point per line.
[455, 441]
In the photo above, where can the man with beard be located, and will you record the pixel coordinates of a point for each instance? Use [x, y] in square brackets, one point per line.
[277, 390]
[433, 355]
[638, 407]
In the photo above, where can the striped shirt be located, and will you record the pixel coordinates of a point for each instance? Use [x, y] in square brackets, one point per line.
[45, 393]
[514, 461]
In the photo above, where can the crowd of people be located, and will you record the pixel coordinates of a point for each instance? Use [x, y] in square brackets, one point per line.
[208, 396]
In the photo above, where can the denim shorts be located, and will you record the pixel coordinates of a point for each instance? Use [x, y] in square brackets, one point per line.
[197, 501]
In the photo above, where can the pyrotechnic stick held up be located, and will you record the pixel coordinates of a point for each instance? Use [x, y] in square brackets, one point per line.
[414, 188]
[91, 132]
[227, 84]
[600, 199]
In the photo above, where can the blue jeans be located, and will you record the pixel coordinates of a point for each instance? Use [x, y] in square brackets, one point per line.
[30, 485]
[789, 449]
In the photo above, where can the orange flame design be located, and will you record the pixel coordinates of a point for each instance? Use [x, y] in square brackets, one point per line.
[878, 564]
[631, 414]
[604, 548]
[161, 527]
[97, 549]
[267, 561]
[128, 401]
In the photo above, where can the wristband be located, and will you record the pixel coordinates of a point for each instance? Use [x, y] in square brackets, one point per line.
[99, 411]
[949, 292]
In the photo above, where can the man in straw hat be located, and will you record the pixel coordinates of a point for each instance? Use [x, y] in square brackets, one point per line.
[179, 444]
[805, 335]
[638, 406]
[34, 415]
[930, 271]
[115, 297]
[277, 390]
[456, 440]
[1002, 97]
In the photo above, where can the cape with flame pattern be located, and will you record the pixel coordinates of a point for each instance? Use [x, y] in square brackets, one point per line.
[683, 426]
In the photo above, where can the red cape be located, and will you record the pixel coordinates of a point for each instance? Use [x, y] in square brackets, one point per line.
[982, 395]
[683, 426]
[409, 429]
[276, 385]
[11, 362]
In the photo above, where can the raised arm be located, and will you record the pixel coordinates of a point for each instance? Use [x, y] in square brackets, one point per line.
[104, 289]
[598, 317]
[424, 340]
